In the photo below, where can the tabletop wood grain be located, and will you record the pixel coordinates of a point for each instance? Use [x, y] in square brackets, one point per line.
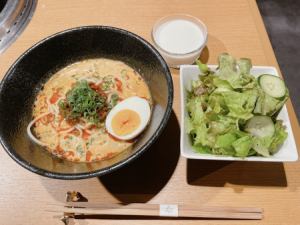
[160, 175]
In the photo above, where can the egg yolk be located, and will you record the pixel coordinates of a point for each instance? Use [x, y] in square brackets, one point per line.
[125, 122]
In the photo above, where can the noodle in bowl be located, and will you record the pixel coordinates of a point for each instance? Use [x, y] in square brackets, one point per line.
[80, 139]
[61, 134]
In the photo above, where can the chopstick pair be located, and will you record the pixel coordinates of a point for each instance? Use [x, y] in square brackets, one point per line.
[159, 210]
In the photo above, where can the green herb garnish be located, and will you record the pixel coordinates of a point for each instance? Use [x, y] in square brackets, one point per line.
[79, 150]
[82, 101]
[107, 83]
[113, 101]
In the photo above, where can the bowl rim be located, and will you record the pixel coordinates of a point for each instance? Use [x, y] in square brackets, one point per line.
[74, 176]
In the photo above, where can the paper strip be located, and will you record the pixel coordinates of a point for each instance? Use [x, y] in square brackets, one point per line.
[168, 210]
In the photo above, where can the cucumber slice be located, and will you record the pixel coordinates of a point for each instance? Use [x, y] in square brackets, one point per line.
[272, 85]
[260, 126]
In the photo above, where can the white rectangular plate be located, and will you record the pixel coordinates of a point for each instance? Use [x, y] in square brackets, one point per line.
[287, 152]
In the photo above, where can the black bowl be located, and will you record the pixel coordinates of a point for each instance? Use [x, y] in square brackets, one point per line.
[26, 76]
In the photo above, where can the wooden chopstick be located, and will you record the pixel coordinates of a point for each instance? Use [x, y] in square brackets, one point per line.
[155, 206]
[139, 209]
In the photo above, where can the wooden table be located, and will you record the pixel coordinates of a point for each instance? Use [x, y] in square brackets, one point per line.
[160, 176]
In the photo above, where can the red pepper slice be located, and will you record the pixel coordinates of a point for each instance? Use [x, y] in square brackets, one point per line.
[88, 156]
[118, 84]
[85, 135]
[54, 97]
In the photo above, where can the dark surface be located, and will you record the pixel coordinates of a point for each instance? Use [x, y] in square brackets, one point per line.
[2, 4]
[26, 76]
[220, 173]
[282, 21]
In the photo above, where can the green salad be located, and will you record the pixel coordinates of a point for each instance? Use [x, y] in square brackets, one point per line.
[232, 113]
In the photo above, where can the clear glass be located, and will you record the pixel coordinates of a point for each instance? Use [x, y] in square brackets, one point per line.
[174, 60]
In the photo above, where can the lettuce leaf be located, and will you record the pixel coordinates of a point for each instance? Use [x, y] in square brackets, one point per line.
[202, 149]
[189, 126]
[278, 138]
[240, 105]
[242, 146]
[267, 105]
[244, 65]
[238, 78]
[221, 83]
[227, 70]
[195, 111]
[225, 141]
[222, 151]
[216, 103]
[222, 124]
[202, 67]
[261, 145]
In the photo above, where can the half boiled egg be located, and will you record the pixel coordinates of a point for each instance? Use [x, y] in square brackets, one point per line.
[128, 118]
